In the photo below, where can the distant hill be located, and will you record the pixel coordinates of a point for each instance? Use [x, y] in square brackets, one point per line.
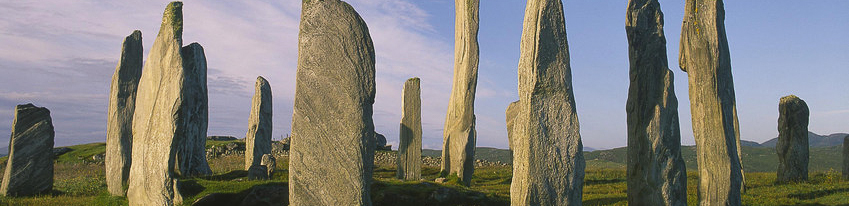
[814, 140]
[755, 159]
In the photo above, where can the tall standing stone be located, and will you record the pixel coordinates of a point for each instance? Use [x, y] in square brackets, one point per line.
[548, 164]
[510, 119]
[792, 146]
[410, 151]
[656, 173]
[29, 168]
[332, 157]
[191, 158]
[705, 57]
[160, 117]
[459, 135]
[846, 157]
[258, 138]
[122, 104]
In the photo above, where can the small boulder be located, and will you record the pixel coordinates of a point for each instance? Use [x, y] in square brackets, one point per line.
[270, 163]
[258, 172]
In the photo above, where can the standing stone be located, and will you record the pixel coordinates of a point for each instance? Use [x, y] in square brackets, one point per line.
[792, 146]
[270, 163]
[410, 151]
[161, 117]
[656, 172]
[459, 135]
[258, 138]
[331, 159]
[122, 104]
[846, 157]
[191, 158]
[510, 119]
[548, 162]
[29, 168]
[704, 56]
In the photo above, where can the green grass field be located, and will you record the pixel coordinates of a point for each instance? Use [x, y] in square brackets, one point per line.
[78, 182]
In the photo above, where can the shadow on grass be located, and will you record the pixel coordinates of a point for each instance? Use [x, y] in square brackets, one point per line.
[235, 174]
[604, 201]
[190, 188]
[274, 193]
[817, 194]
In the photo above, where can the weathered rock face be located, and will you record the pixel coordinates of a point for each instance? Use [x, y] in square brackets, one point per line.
[705, 57]
[656, 172]
[270, 163]
[792, 146]
[258, 138]
[846, 157]
[29, 169]
[459, 135]
[510, 118]
[548, 164]
[122, 104]
[333, 108]
[191, 158]
[159, 117]
[410, 151]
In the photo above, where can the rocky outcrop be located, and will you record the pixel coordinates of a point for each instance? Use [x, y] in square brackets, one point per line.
[705, 57]
[160, 117]
[191, 158]
[459, 135]
[548, 163]
[380, 143]
[258, 138]
[122, 104]
[29, 167]
[410, 149]
[656, 174]
[510, 119]
[792, 147]
[333, 108]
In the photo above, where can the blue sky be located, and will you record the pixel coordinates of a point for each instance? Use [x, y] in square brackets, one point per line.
[61, 55]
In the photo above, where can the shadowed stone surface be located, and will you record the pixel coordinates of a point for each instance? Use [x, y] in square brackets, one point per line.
[705, 57]
[459, 135]
[846, 157]
[29, 168]
[510, 118]
[258, 138]
[656, 173]
[792, 146]
[122, 104]
[191, 159]
[159, 117]
[548, 163]
[331, 159]
[410, 151]
[258, 172]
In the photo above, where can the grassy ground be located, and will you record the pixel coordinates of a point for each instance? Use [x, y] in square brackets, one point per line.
[79, 182]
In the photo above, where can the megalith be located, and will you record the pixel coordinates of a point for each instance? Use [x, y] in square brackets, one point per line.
[656, 174]
[846, 157]
[191, 158]
[161, 116]
[548, 162]
[410, 151]
[705, 57]
[792, 146]
[258, 138]
[122, 104]
[459, 135]
[332, 157]
[29, 167]
[510, 119]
